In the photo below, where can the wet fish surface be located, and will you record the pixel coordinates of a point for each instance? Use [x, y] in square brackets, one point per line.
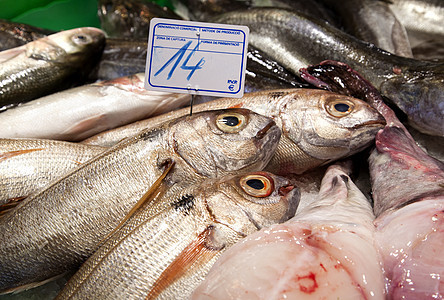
[373, 21]
[48, 64]
[60, 226]
[83, 111]
[130, 18]
[27, 165]
[13, 34]
[166, 250]
[318, 126]
[327, 251]
[415, 86]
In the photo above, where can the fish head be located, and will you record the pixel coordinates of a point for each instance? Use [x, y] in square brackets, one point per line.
[420, 95]
[330, 126]
[70, 46]
[255, 200]
[223, 142]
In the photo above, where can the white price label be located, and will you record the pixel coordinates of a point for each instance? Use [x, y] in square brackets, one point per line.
[196, 57]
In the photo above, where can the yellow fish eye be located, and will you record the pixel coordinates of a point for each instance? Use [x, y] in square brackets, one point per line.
[231, 122]
[339, 107]
[257, 185]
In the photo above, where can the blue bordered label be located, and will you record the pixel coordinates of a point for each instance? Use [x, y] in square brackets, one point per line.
[196, 57]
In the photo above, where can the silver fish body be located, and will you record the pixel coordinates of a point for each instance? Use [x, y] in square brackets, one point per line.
[314, 132]
[83, 111]
[48, 64]
[415, 86]
[27, 165]
[60, 226]
[166, 250]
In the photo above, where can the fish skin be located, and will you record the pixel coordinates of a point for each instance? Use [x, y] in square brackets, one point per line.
[415, 86]
[311, 137]
[27, 165]
[13, 34]
[373, 21]
[73, 214]
[83, 111]
[130, 18]
[135, 262]
[203, 10]
[48, 64]
[326, 251]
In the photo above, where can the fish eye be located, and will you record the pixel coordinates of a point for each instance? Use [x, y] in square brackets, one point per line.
[81, 39]
[257, 185]
[231, 122]
[339, 107]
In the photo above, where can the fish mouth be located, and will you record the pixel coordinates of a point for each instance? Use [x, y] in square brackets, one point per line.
[375, 123]
[261, 133]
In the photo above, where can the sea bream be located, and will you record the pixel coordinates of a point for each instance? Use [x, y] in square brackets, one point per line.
[166, 250]
[57, 228]
[48, 64]
[415, 86]
[317, 126]
[27, 165]
[326, 251]
[83, 111]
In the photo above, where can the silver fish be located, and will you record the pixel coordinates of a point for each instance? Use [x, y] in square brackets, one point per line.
[166, 250]
[27, 165]
[326, 251]
[83, 111]
[48, 64]
[318, 126]
[415, 86]
[60, 226]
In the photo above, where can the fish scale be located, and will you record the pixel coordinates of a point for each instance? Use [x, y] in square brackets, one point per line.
[73, 214]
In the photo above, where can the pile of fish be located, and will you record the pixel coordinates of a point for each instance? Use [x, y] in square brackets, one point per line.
[325, 180]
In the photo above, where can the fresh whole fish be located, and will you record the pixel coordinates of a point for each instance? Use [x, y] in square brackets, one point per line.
[27, 165]
[48, 64]
[57, 228]
[416, 87]
[327, 251]
[14, 34]
[121, 57]
[373, 21]
[317, 126]
[130, 18]
[83, 111]
[164, 253]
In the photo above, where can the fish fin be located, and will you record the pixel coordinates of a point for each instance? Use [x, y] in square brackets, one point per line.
[85, 125]
[157, 187]
[200, 250]
[11, 204]
[9, 154]
[11, 53]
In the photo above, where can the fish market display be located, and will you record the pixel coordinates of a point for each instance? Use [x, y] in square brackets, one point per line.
[373, 21]
[27, 165]
[408, 192]
[57, 228]
[14, 34]
[130, 18]
[48, 64]
[317, 126]
[165, 252]
[416, 87]
[326, 251]
[81, 112]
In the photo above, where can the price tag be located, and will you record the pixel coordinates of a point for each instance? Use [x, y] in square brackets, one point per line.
[196, 57]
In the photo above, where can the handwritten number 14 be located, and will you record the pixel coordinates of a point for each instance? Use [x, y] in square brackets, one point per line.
[177, 57]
